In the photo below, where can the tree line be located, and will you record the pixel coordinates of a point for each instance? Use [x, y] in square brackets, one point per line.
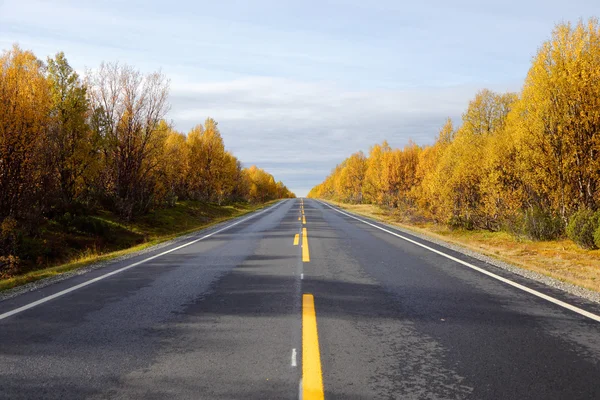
[72, 144]
[525, 162]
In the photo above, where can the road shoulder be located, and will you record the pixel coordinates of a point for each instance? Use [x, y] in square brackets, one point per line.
[514, 269]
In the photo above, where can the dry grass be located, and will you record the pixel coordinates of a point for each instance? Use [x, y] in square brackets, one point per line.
[562, 259]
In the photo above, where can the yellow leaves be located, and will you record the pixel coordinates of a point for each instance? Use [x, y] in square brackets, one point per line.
[24, 110]
[210, 172]
[561, 118]
[351, 178]
[373, 173]
[511, 153]
[446, 181]
[262, 185]
[63, 139]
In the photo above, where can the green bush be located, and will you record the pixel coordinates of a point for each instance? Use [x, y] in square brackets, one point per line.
[83, 224]
[582, 228]
[538, 224]
[460, 222]
[597, 237]
[90, 225]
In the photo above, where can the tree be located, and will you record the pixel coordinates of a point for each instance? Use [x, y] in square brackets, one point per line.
[373, 186]
[71, 143]
[25, 104]
[209, 163]
[172, 165]
[128, 108]
[262, 186]
[560, 122]
[431, 177]
[458, 183]
[350, 181]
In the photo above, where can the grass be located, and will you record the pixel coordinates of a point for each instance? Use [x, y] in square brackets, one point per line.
[559, 259]
[104, 237]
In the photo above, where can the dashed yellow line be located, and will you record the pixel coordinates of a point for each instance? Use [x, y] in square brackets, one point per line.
[305, 252]
[312, 376]
[303, 220]
[296, 239]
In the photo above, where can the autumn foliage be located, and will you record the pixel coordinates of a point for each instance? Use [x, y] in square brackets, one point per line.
[73, 146]
[528, 162]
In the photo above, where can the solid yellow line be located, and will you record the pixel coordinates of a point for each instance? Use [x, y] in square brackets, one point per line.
[312, 376]
[303, 220]
[296, 239]
[298, 218]
[305, 252]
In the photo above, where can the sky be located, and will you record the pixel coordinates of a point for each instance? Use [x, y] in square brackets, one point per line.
[297, 86]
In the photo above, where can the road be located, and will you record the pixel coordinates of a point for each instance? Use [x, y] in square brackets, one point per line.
[299, 300]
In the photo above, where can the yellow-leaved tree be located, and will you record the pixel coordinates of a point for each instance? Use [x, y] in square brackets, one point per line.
[560, 120]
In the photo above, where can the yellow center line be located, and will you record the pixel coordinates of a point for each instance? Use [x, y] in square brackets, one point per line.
[303, 220]
[312, 376]
[296, 239]
[305, 252]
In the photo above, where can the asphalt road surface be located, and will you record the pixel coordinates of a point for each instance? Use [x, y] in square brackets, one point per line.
[299, 300]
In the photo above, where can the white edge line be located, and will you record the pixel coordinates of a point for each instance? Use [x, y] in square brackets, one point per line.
[483, 271]
[294, 363]
[99, 278]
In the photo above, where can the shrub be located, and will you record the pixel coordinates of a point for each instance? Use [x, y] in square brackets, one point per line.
[9, 266]
[582, 227]
[9, 236]
[90, 225]
[539, 224]
[460, 222]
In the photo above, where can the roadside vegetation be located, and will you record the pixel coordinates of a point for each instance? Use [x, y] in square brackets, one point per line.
[89, 166]
[524, 167]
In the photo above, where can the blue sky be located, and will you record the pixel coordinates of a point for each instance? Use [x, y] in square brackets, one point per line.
[297, 86]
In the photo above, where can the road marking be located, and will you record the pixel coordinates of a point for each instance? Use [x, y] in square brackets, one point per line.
[483, 271]
[303, 220]
[305, 252]
[298, 218]
[294, 363]
[296, 239]
[312, 376]
[301, 276]
[99, 278]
